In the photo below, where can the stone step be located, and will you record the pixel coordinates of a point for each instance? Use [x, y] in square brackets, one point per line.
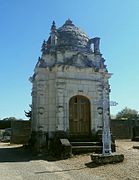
[85, 143]
[86, 149]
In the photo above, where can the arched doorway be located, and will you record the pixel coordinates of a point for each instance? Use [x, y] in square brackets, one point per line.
[79, 117]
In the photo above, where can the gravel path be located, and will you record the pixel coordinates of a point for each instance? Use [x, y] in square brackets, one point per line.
[18, 164]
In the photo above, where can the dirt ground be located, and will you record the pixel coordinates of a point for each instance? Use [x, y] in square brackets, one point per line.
[127, 170]
[17, 163]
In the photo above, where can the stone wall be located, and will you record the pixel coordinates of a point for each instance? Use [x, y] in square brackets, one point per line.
[122, 129]
[5, 124]
[21, 131]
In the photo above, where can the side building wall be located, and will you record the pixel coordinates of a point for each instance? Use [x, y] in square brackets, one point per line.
[124, 129]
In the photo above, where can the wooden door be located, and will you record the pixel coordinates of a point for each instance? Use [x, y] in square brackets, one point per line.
[79, 116]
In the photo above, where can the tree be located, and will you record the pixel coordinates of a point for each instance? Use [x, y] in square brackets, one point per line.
[28, 113]
[6, 122]
[127, 113]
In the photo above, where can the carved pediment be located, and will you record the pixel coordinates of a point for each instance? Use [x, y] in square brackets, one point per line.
[79, 60]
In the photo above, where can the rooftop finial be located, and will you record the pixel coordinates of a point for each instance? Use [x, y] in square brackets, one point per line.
[44, 46]
[68, 22]
[53, 27]
[53, 34]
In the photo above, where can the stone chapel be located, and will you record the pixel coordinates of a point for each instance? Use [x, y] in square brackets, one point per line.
[67, 88]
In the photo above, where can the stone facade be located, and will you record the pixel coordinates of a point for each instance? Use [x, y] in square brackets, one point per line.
[70, 65]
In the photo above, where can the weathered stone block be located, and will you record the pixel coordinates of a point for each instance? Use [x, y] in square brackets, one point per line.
[60, 145]
[112, 158]
[66, 148]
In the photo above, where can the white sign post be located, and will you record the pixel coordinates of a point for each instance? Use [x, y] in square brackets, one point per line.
[106, 135]
[105, 104]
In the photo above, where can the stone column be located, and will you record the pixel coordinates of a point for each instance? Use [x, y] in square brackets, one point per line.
[106, 135]
[60, 105]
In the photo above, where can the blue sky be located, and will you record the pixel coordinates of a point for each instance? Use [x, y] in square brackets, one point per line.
[24, 24]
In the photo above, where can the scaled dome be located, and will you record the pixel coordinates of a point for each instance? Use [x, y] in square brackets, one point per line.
[71, 37]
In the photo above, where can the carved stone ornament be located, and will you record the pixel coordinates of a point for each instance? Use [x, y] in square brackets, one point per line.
[41, 110]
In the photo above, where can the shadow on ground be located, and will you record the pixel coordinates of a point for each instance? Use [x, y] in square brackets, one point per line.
[15, 154]
[23, 154]
[93, 165]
